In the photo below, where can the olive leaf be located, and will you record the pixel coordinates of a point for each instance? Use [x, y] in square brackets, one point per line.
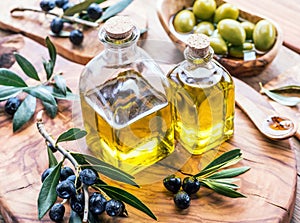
[52, 51]
[114, 9]
[51, 158]
[24, 112]
[47, 195]
[9, 78]
[104, 168]
[60, 83]
[233, 172]
[71, 134]
[7, 92]
[222, 189]
[226, 159]
[94, 161]
[51, 109]
[48, 68]
[120, 194]
[78, 7]
[282, 99]
[294, 89]
[27, 67]
[41, 93]
[222, 181]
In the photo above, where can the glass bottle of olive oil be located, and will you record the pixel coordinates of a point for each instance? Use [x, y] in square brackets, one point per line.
[203, 98]
[125, 101]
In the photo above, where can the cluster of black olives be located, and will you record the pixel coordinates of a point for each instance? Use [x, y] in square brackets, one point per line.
[93, 12]
[182, 198]
[11, 105]
[69, 188]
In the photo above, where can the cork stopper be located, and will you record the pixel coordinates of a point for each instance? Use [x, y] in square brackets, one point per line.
[198, 44]
[119, 27]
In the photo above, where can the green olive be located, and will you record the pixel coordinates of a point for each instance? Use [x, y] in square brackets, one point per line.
[204, 9]
[184, 21]
[264, 35]
[232, 31]
[219, 45]
[205, 27]
[248, 27]
[238, 51]
[226, 11]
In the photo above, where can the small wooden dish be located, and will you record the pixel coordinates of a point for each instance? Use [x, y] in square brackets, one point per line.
[237, 67]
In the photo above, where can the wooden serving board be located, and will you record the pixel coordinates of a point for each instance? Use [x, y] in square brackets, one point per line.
[269, 185]
[37, 27]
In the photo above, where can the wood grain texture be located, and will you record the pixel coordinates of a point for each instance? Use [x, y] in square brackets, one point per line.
[237, 67]
[269, 186]
[37, 26]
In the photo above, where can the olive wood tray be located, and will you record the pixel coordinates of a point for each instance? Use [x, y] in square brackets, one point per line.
[270, 184]
[237, 67]
[37, 26]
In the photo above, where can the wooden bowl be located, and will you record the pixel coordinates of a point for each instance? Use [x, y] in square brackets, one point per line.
[166, 9]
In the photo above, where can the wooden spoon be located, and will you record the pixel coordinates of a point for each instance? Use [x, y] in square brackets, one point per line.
[262, 114]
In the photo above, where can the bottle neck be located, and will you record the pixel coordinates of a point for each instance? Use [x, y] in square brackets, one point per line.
[194, 57]
[119, 50]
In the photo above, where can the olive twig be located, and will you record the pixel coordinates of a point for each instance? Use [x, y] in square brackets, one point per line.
[66, 154]
[69, 18]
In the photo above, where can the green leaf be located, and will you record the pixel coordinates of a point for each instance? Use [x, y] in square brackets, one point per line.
[232, 172]
[52, 51]
[104, 168]
[50, 109]
[222, 189]
[294, 89]
[47, 195]
[48, 66]
[41, 93]
[27, 67]
[281, 99]
[60, 83]
[7, 92]
[226, 159]
[24, 112]
[52, 159]
[126, 197]
[114, 9]
[78, 7]
[94, 161]
[229, 155]
[71, 134]
[74, 217]
[228, 182]
[9, 78]
[114, 174]
[68, 96]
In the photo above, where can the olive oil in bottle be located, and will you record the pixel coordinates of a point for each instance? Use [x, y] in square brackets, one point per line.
[203, 98]
[125, 102]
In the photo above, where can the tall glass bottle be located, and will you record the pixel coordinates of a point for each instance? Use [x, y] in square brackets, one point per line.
[124, 100]
[203, 98]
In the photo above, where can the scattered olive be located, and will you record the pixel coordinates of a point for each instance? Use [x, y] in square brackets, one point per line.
[76, 37]
[94, 11]
[172, 183]
[182, 200]
[190, 185]
[12, 105]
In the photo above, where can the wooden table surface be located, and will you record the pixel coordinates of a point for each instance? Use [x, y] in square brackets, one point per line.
[284, 13]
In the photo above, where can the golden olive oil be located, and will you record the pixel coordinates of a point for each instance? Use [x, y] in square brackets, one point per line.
[128, 122]
[203, 98]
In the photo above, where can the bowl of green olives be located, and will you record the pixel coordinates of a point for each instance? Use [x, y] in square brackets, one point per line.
[244, 43]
